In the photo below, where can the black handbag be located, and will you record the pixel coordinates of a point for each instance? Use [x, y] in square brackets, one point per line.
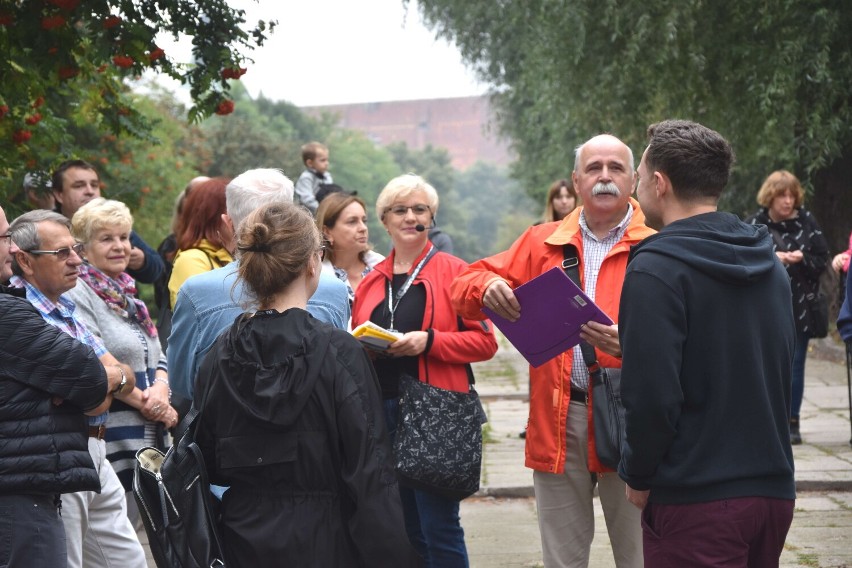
[177, 508]
[438, 443]
[607, 409]
[605, 383]
[818, 312]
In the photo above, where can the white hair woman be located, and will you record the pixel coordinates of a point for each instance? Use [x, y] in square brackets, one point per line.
[106, 301]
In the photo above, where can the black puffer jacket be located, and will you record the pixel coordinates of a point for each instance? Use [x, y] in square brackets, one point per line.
[44, 447]
[294, 425]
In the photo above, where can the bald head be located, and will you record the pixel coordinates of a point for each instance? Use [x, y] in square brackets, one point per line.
[603, 139]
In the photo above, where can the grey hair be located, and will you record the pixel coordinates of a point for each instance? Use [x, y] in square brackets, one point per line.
[24, 231]
[252, 189]
[578, 149]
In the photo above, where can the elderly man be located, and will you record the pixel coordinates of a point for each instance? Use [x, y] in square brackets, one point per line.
[708, 336]
[558, 441]
[47, 381]
[98, 532]
[208, 303]
[75, 183]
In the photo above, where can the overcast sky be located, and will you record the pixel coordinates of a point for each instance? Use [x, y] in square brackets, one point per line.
[344, 51]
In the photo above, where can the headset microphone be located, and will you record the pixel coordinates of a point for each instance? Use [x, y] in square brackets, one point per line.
[419, 228]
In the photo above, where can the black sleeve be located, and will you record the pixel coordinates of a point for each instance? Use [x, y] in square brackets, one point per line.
[650, 380]
[41, 356]
[153, 267]
[377, 528]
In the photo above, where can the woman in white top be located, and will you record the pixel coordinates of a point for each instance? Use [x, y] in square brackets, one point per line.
[342, 218]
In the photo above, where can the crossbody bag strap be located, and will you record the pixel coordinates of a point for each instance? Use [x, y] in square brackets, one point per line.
[571, 266]
[779, 242]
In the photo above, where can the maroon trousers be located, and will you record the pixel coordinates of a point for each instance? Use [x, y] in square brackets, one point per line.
[747, 532]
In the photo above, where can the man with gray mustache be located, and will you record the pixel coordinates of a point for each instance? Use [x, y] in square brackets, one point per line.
[559, 441]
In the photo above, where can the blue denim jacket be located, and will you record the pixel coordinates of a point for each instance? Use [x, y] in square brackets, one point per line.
[206, 306]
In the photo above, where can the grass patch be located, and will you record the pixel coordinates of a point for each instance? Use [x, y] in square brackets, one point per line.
[809, 559]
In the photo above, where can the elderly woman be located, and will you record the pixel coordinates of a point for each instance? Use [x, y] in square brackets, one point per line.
[105, 297]
[204, 234]
[292, 420]
[410, 292]
[342, 218]
[561, 200]
[802, 248]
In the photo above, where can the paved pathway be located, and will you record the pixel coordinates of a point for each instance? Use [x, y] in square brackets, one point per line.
[500, 522]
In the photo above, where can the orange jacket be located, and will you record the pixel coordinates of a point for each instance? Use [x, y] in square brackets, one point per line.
[536, 251]
[455, 342]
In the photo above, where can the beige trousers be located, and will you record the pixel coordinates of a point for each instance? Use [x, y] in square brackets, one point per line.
[566, 515]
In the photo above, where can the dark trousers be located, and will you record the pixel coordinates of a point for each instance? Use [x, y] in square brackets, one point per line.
[31, 532]
[747, 532]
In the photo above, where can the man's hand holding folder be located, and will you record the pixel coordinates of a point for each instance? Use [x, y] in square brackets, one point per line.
[557, 316]
[500, 298]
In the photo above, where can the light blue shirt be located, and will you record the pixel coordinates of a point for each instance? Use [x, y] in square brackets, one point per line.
[208, 303]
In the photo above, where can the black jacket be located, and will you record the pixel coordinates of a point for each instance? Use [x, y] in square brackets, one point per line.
[707, 333]
[293, 424]
[44, 447]
[799, 233]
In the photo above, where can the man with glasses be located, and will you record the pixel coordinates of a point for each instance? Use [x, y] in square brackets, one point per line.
[47, 381]
[75, 183]
[98, 531]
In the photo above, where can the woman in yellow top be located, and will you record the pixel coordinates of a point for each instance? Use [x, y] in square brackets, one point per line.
[205, 238]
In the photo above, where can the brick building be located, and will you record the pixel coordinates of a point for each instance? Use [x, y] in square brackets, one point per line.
[465, 126]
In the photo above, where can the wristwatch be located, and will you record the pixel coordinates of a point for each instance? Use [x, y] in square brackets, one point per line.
[119, 389]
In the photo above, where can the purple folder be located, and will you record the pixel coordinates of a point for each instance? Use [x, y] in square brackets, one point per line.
[552, 310]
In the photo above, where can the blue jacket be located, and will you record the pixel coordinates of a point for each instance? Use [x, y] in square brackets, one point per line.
[208, 303]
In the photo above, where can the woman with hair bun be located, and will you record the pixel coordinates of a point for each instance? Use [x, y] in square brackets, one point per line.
[293, 421]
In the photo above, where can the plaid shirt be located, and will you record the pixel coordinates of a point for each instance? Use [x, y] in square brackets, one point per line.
[61, 315]
[594, 252]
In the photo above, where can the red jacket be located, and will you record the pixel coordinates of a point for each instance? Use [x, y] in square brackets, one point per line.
[536, 251]
[444, 364]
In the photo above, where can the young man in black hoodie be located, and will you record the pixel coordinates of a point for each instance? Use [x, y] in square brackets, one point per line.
[707, 333]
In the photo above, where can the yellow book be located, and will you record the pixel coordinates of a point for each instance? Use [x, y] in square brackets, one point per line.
[375, 336]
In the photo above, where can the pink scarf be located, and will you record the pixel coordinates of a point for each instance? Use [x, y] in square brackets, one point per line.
[120, 295]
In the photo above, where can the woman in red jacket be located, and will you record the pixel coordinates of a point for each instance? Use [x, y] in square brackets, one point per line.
[409, 292]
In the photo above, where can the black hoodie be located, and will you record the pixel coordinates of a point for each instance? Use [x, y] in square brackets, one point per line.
[707, 332]
[294, 425]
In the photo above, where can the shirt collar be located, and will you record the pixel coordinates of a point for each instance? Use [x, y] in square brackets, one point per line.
[616, 232]
[64, 307]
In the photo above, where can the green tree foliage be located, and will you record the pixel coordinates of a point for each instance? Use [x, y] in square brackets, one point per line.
[497, 211]
[775, 77]
[63, 66]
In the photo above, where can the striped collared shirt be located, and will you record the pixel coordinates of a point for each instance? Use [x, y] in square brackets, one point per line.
[61, 315]
[594, 252]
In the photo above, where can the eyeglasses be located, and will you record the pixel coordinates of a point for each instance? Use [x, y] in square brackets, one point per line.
[402, 210]
[7, 237]
[61, 254]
